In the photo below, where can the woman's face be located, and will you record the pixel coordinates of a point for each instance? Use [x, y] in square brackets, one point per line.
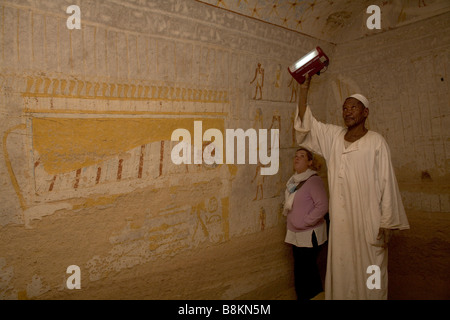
[301, 162]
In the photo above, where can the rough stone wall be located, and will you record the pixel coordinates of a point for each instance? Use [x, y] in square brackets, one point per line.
[86, 122]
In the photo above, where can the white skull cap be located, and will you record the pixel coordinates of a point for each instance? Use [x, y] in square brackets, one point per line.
[361, 98]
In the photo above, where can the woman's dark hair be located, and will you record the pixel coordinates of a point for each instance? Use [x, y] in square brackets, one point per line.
[308, 153]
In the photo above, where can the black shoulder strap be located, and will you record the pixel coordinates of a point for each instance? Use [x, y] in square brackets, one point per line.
[303, 182]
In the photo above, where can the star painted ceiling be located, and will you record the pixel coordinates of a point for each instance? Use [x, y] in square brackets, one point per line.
[332, 20]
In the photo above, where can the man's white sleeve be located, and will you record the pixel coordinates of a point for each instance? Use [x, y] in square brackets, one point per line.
[393, 214]
[315, 135]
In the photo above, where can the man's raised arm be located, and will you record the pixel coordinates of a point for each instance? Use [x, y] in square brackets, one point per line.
[303, 97]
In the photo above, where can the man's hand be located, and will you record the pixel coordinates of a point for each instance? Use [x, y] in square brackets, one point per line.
[384, 235]
[305, 85]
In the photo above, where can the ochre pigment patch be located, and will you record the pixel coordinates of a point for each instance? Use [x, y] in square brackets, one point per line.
[65, 144]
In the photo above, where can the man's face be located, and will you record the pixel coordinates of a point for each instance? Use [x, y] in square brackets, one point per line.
[301, 162]
[354, 112]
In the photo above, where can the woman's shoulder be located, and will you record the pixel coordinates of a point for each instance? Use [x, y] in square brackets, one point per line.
[316, 186]
[315, 179]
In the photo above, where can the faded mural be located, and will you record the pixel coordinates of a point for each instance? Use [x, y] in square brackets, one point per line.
[94, 110]
[87, 117]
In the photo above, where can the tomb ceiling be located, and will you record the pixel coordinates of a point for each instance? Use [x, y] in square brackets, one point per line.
[336, 21]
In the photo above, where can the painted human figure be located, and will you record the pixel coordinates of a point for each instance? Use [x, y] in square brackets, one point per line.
[259, 178]
[259, 77]
[276, 124]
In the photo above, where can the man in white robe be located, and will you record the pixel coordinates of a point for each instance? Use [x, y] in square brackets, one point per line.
[365, 203]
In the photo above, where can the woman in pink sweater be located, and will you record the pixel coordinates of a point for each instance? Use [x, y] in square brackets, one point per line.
[306, 203]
